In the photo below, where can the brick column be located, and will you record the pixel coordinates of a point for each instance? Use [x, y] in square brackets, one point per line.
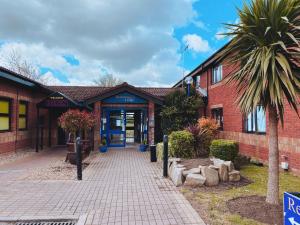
[151, 110]
[97, 138]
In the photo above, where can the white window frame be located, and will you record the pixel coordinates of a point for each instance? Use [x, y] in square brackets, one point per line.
[217, 74]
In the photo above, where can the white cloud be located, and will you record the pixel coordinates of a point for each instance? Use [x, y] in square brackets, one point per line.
[220, 33]
[223, 30]
[122, 37]
[196, 43]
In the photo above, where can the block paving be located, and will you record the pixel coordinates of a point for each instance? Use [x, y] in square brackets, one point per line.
[118, 187]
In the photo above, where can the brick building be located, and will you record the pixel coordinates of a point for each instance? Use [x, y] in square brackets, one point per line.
[29, 111]
[251, 131]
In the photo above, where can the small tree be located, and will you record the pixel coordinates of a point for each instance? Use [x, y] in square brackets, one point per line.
[180, 110]
[73, 121]
[266, 46]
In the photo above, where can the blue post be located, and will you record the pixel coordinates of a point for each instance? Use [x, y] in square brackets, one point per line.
[188, 90]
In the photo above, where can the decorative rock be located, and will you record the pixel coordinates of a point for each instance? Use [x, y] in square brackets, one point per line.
[171, 168]
[191, 171]
[217, 162]
[234, 176]
[211, 175]
[177, 176]
[230, 165]
[223, 173]
[194, 180]
[213, 167]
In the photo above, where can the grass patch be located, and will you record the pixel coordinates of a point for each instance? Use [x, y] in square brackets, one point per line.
[213, 202]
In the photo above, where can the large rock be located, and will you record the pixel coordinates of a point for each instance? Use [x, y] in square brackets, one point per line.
[191, 171]
[211, 175]
[213, 167]
[177, 176]
[194, 180]
[223, 173]
[234, 176]
[217, 162]
[230, 165]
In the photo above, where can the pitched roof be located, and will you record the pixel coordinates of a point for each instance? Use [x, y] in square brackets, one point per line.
[82, 93]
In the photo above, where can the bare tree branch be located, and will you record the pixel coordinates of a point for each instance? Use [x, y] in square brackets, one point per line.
[107, 81]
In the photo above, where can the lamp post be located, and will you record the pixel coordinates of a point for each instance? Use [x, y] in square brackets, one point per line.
[188, 81]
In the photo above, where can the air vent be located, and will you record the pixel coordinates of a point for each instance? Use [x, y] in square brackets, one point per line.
[46, 223]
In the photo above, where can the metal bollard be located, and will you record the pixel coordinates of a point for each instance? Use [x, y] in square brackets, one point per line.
[165, 157]
[78, 159]
[153, 157]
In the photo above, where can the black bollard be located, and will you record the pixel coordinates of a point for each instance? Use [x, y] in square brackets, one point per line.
[78, 159]
[165, 157]
[153, 157]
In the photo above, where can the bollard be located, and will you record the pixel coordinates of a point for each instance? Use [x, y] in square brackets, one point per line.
[165, 157]
[153, 157]
[78, 159]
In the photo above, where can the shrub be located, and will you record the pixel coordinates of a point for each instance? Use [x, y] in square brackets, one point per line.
[182, 144]
[180, 110]
[224, 149]
[208, 131]
[241, 161]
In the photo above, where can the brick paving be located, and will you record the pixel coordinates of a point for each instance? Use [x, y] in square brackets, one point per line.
[118, 187]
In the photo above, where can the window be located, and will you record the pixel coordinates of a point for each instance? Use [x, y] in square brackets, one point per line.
[23, 113]
[4, 114]
[255, 122]
[217, 114]
[197, 81]
[217, 74]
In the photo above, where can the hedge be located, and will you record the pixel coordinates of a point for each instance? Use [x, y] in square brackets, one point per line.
[224, 149]
[182, 144]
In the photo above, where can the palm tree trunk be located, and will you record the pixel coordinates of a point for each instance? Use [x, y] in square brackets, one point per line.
[273, 179]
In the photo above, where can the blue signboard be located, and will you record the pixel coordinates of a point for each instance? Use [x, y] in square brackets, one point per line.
[291, 209]
[125, 98]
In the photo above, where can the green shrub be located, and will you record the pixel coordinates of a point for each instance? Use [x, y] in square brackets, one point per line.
[160, 150]
[182, 144]
[224, 149]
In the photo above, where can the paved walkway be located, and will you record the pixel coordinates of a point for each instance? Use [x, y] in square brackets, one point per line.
[118, 187]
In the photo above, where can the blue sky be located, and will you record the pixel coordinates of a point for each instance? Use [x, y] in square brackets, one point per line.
[71, 45]
[213, 15]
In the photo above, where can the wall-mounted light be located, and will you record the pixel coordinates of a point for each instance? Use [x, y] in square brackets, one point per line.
[188, 81]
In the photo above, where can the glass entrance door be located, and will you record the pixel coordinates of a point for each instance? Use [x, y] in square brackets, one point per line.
[116, 128]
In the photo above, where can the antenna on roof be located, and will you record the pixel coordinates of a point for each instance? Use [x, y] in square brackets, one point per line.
[182, 56]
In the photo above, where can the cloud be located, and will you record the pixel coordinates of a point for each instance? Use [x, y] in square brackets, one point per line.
[220, 33]
[196, 43]
[223, 30]
[120, 36]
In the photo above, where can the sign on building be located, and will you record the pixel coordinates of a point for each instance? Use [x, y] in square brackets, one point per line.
[291, 209]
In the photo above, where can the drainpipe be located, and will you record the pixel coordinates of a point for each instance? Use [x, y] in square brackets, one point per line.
[17, 119]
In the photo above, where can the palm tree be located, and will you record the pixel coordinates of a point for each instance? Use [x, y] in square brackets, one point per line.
[266, 53]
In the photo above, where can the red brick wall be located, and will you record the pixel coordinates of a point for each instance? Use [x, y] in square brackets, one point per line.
[16, 139]
[224, 95]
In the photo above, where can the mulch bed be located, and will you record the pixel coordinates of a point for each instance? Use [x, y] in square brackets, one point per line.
[255, 207]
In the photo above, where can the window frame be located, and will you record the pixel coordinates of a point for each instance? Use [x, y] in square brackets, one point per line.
[23, 116]
[254, 123]
[219, 109]
[9, 114]
[213, 74]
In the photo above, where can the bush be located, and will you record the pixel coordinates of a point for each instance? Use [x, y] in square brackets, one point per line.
[182, 144]
[208, 131]
[224, 149]
[160, 150]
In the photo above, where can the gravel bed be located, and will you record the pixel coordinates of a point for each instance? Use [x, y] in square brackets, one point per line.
[13, 156]
[57, 170]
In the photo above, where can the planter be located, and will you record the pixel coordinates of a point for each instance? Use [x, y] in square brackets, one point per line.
[71, 146]
[143, 147]
[103, 149]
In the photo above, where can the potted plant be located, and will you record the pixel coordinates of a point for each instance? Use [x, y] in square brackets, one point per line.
[103, 147]
[143, 146]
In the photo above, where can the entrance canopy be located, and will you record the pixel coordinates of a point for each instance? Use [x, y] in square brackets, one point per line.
[58, 100]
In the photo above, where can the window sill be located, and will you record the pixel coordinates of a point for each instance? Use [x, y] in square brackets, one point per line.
[257, 133]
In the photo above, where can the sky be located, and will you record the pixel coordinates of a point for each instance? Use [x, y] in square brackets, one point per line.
[139, 41]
